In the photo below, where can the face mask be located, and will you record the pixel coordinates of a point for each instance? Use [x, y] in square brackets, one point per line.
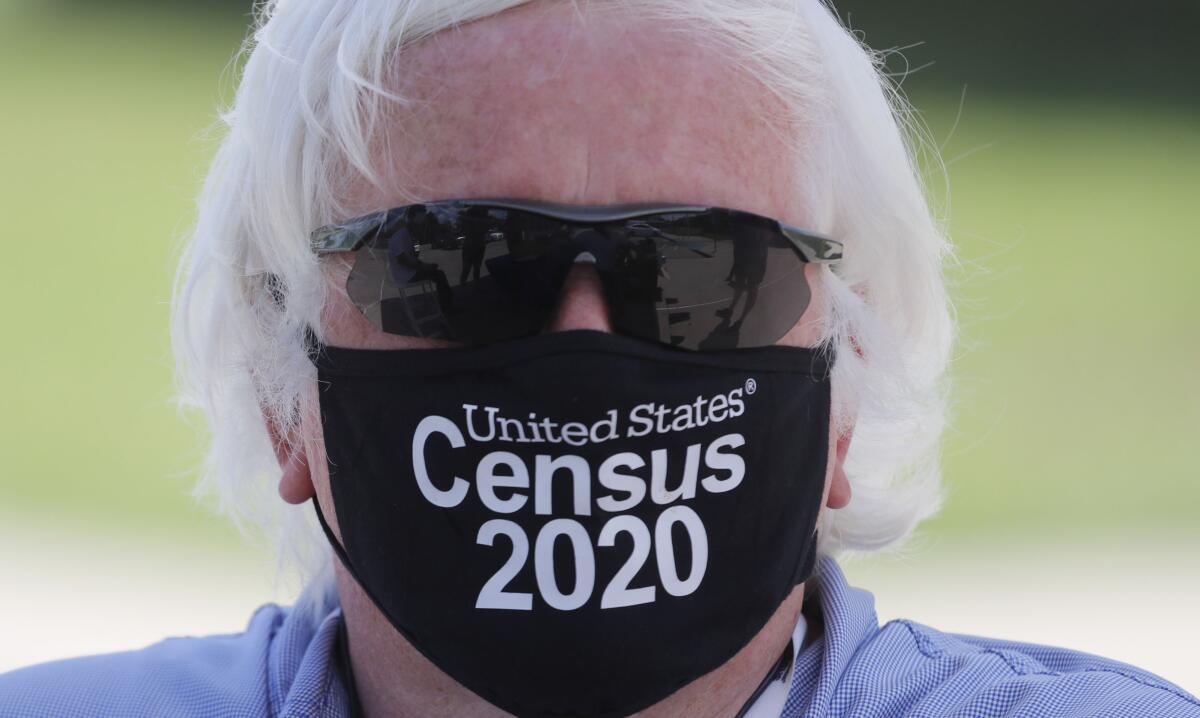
[577, 523]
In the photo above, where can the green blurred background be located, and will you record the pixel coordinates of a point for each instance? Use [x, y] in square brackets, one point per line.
[1071, 132]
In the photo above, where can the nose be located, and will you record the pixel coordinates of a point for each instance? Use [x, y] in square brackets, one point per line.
[581, 300]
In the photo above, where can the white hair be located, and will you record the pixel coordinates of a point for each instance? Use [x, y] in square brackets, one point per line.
[312, 91]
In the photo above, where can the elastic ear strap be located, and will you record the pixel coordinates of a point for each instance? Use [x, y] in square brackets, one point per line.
[345, 559]
[400, 627]
[805, 570]
[337, 545]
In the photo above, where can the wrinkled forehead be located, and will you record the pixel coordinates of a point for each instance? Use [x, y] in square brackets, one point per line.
[547, 103]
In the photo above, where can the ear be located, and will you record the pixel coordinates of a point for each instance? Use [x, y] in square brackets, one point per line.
[839, 486]
[295, 486]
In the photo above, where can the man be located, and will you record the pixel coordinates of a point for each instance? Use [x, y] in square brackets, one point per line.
[600, 501]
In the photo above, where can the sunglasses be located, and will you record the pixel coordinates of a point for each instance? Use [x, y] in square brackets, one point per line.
[483, 271]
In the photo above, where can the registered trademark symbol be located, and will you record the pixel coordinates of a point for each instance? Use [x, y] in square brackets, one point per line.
[751, 386]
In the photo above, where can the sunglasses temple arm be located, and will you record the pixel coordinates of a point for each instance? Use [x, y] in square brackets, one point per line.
[350, 236]
[814, 247]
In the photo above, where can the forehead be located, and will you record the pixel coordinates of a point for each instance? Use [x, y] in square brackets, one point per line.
[546, 102]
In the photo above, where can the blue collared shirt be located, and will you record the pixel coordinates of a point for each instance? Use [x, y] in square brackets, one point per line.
[283, 664]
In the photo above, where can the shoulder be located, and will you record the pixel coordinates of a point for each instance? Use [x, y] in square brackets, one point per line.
[856, 668]
[946, 674]
[226, 675]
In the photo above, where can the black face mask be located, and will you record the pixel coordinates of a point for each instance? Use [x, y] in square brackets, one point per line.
[578, 523]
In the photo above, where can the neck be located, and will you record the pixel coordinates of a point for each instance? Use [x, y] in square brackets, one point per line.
[379, 654]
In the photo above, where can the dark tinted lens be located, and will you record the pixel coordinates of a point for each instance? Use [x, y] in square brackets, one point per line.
[708, 281]
[476, 275]
[468, 274]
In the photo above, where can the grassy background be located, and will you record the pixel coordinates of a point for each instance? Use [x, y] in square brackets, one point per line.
[1078, 378]
[102, 145]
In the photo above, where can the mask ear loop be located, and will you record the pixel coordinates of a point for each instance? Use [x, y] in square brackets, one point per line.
[344, 557]
[805, 570]
[337, 547]
[344, 637]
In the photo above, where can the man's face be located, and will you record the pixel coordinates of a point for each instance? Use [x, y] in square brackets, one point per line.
[538, 103]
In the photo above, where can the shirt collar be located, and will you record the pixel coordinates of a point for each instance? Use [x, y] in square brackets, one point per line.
[772, 696]
[842, 619]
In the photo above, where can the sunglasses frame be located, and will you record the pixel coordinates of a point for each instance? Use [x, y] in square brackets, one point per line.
[808, 247]
[350, 235]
